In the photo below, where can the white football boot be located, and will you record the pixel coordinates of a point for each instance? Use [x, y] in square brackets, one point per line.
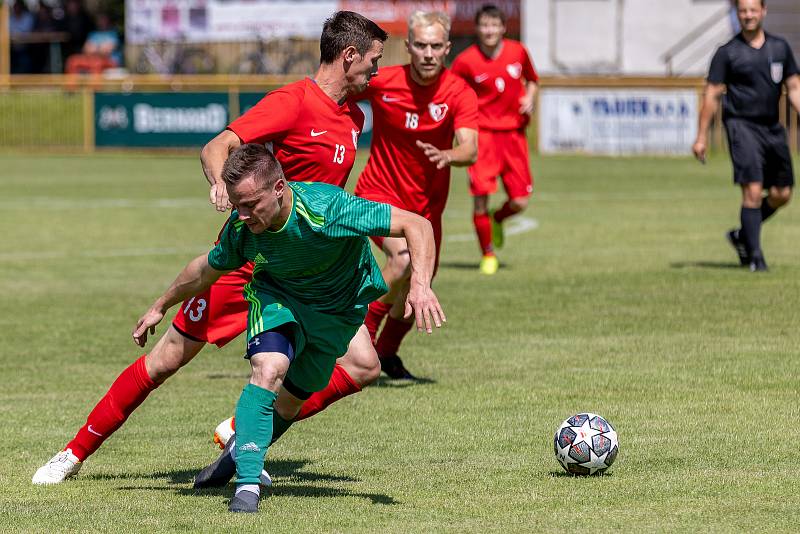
[60, 467]
[223, 432]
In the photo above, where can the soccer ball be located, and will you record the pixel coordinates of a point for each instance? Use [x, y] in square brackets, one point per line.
[586, 444]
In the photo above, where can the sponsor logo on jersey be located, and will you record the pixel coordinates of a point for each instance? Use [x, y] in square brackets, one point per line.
[437, 111]
[259, 259]
[387, 98]
[355, 133]
[317, 134]
[480, 78]
[776, 71]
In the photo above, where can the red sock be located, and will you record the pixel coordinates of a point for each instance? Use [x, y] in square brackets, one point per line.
[391, 336]
[483, 227]
[126, 393]
[504, 212]
[341, 385]
[375, 314]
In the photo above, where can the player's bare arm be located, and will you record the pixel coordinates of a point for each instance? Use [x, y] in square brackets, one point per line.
[421, 299]
[711, 97]
[212, 157]
[462, 155]
[195, 278]
[528, 101]
[793, 91]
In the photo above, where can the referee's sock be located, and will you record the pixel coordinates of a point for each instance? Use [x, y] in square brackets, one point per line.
[766, 209]
[751, 228]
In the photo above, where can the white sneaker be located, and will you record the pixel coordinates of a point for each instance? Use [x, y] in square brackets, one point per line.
[223, 432]
[60, 467]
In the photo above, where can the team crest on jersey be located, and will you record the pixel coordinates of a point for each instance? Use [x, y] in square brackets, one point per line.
[776, 71]
[514, 70]
[500, 83]
[437, 111]
[355, 137]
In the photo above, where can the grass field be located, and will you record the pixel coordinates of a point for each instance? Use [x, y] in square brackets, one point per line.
[624, 300]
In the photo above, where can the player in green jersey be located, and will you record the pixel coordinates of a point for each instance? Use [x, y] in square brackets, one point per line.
[313, 279]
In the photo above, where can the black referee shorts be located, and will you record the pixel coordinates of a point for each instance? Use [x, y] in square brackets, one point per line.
[759, 153]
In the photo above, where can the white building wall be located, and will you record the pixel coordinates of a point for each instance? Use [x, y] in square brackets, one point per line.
[625, 37]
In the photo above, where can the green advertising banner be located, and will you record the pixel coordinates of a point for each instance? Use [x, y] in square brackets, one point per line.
[248, 100]
[159, 119]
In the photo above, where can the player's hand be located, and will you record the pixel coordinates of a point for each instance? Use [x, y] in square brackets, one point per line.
[441, 158]
[422, 302]
[219, 197]
[146, 323]
[526, 105]
[699, 150]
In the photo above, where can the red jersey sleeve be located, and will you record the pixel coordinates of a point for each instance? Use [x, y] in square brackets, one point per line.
[270, 119]
[528, 71]
[466, 108]
[460, 67]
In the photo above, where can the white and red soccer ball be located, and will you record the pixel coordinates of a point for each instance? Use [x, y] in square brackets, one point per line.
[586, 444]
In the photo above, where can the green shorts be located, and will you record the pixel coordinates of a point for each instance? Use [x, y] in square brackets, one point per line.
[319, 337]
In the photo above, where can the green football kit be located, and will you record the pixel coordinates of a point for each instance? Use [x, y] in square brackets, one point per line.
[316, 275]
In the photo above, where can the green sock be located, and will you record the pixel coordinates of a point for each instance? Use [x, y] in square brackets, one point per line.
[279, 426]
[254, 413]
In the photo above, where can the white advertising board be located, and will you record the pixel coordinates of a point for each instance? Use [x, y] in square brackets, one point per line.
[224, 20]
[617, 121]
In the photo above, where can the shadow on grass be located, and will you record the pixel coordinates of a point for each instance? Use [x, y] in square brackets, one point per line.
[564, 474]
[225, 376]
[467, 265]
[385, 382]
[299, 483]
[706, 265]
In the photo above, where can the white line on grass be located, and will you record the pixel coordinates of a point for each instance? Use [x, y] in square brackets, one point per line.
[517, 225]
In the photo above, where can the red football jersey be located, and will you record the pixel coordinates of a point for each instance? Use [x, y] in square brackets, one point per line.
[313, 137]
[398, 172]
[498, 83]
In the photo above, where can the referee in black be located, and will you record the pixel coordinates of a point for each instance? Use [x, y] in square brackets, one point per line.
[753, 67]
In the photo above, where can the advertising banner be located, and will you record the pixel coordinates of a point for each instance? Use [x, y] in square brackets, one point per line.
[617, 121]
[250, 20]
[159, 120]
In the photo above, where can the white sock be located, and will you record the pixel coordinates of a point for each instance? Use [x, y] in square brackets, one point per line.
[252, 488]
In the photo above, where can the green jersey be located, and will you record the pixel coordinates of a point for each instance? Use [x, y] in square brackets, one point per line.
[320, 258]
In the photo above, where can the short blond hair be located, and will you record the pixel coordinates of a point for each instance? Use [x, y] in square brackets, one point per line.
[428, 18]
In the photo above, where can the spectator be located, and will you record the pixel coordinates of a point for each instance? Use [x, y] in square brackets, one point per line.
[104, 41]
[40, 52]
[101, 50]
[77, 23]
[20, 22]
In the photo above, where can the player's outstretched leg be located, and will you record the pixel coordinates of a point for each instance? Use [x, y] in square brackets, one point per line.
[482, 222]
[127, 392]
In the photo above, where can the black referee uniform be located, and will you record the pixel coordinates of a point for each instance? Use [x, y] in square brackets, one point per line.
[754, 81]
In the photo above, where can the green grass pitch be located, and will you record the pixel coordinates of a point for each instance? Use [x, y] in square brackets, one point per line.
[623, 300]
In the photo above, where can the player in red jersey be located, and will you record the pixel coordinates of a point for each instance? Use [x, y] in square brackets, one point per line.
[313, 129]
[502, 74]
[417, 109]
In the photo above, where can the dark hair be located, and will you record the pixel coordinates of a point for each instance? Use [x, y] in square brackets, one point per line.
[490, 10]
[252, 160]
[763, 3]
[346, 28]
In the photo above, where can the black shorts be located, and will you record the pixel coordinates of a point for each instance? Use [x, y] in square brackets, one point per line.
[759, 153]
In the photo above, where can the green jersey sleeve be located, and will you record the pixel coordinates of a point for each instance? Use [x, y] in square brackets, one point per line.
[227, 254]
[351, 216]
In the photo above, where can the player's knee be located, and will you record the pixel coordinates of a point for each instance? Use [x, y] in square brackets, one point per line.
[266, 374]
[163, 362]
[366, 370]
[518, 204]
[780, 197]
[400, 264]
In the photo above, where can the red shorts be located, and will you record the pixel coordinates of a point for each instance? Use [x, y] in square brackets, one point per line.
[504, 154]
[218, 315]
